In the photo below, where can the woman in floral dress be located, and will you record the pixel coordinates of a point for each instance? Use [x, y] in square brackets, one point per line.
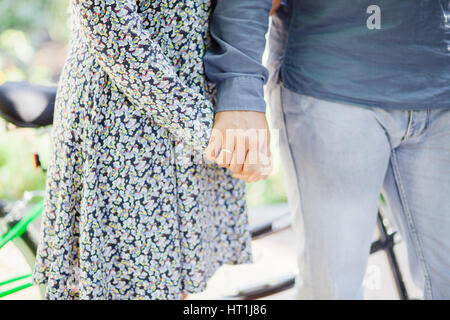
[131, 209]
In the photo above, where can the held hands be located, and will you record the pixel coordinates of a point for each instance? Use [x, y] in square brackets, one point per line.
[240, 141]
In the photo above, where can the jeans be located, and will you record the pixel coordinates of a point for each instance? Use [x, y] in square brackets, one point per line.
[337, 159]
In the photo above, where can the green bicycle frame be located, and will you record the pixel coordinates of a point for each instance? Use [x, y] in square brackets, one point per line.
[16, 231]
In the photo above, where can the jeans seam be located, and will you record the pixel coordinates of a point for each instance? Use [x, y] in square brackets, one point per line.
[291, 156]
[411, 226]
[290, 147]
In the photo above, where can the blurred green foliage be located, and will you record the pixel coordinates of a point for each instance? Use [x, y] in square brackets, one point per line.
[267, 191]
[17, 171]
[40, 19]
[31, 33]
[28, 28]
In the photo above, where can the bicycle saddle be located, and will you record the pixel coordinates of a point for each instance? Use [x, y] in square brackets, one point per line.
[27, 105]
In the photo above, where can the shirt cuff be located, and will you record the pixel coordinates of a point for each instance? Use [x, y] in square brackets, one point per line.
[241, 93]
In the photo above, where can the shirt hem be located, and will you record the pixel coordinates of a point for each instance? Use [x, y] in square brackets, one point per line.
[360, 102]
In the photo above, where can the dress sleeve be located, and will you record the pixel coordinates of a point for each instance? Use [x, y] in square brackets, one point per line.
[137, 66]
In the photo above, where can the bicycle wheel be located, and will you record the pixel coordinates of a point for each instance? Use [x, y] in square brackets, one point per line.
[20, 236]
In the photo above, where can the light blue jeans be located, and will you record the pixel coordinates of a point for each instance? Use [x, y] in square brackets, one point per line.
[337, 159]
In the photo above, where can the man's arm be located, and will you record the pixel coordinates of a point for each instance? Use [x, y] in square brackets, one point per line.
[234, 63]
[234, 60]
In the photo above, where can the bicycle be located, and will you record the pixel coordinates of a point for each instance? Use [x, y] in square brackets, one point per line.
[19, 223]
[20, 220]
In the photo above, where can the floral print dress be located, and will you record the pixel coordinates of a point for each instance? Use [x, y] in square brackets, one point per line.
[131, 209]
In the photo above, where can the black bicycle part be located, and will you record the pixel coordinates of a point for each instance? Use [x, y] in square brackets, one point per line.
[387, 239]
[385, 243]
[27, 105]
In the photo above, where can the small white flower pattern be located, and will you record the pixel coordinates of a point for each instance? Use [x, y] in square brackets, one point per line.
[124, 216]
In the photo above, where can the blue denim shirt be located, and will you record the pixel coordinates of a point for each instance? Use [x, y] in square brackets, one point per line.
[343, 50]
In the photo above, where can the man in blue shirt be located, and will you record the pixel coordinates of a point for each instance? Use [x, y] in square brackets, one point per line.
[360, 94]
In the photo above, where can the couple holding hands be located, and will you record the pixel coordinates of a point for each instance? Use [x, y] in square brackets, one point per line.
[359, 111]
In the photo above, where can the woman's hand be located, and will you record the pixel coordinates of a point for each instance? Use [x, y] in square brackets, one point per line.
[240, 141]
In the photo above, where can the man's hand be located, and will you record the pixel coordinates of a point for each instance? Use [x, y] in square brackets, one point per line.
[240, 141]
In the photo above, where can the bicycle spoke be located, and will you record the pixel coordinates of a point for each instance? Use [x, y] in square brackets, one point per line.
[22, 225]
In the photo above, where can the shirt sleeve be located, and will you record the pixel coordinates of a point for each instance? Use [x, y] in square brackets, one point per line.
[234, 60]
[137, 66]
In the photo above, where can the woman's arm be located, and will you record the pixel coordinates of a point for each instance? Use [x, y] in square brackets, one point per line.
[114, 33]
